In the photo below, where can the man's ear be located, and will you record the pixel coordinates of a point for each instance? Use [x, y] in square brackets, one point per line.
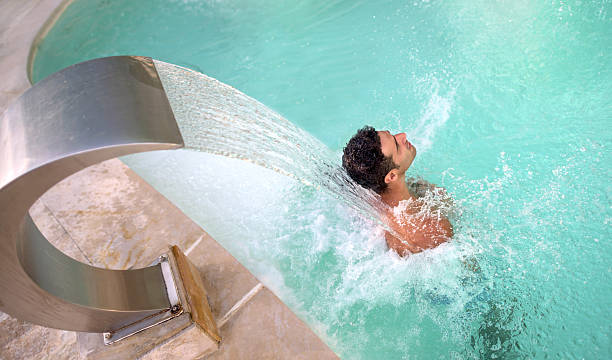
[391, 176]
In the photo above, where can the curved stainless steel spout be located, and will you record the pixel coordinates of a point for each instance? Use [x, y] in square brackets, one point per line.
[82, 115]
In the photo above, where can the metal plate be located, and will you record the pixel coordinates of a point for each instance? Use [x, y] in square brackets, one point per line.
[84, 114]
[175, 310]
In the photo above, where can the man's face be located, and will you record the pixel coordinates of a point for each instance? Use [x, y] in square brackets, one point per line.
[401, 150]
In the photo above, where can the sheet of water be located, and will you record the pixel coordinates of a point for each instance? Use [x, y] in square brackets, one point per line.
[508, 104]
[218, 119]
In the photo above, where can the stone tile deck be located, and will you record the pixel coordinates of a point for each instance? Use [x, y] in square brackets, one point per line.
[107, 216]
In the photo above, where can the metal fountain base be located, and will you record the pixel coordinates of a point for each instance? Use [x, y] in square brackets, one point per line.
[80, 116]
[188, 327]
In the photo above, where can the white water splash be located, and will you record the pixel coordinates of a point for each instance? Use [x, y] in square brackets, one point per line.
[434, 116]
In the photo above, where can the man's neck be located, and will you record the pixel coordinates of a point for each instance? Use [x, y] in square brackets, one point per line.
[396, 192]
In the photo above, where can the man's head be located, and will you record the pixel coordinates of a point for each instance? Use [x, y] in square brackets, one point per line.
[376, 159]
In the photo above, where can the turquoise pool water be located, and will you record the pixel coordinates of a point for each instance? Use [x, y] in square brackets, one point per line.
[508, 103]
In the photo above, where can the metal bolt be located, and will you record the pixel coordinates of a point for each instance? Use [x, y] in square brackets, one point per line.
[107, 336]
[175, 308]
[163, 258]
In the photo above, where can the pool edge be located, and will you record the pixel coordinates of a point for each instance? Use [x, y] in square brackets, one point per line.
[42, 33]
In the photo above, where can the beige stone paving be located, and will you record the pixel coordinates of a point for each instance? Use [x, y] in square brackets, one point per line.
[116, 219]
[108, 216]
[20, 21]
[50, 227]
[265, 329]
[225, 279]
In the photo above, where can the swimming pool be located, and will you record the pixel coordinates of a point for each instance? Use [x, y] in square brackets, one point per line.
[508, 104]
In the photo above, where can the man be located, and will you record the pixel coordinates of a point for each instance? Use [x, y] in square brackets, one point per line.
[378, 161]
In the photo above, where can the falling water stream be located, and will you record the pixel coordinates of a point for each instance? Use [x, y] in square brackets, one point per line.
[507, 102]
[218, 119]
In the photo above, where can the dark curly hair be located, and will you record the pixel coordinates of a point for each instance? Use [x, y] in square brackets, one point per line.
[365, 162]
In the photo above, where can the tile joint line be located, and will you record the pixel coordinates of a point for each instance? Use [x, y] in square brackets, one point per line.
[248, 296]
[57, 220]
[193, 246]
